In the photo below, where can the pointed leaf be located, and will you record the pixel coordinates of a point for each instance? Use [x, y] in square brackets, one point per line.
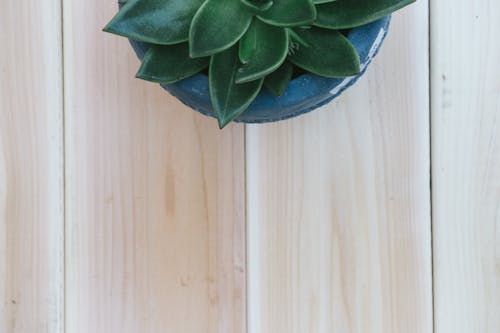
[278, 81]
[258, 5]
[346, 14]
[330, 54]
[295, 38]
[170, 63]
[155, 21]
[217, 26]
[270, 45]
[248, 44]
[290, 13]
[229, 99]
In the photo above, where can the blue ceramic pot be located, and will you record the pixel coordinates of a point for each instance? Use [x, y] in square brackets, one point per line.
[304, 94]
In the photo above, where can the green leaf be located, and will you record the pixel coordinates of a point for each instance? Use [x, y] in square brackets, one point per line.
[248, 44]
[217, 26]
[264, 49]
[258, 5]
[278, 81]
[296, 38]
[346, 14]
[170, 63]
[322, 1]
[162, 22]
[329, 54]
[229, 99]
[290, 13]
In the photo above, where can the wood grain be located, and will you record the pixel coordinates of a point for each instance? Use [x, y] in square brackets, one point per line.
[339, 203]
[466, 165]
[31, 168]
[156, 195]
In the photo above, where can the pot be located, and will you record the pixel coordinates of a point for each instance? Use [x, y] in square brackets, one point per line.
[304, 94]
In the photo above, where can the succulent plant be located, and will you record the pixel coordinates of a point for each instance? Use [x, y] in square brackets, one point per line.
[246, 44]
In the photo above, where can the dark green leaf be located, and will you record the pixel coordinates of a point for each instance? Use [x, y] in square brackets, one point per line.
[290, 13]
[278, 81]
[217, 26]
[264, 50]
[322, 1]
[295, 38]
[170, 63]
[248, 44]
[346, 14]
[329, 54]
[229, 99]
[155, 21]
[258, 5]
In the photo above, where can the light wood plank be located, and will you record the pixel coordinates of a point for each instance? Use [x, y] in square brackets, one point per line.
[339, 204]
[156, 195]
[31, 168]
[466, 165]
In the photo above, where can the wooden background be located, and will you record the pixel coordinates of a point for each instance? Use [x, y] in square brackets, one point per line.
[122, 211]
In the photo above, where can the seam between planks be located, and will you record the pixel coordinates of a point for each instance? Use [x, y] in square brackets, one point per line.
[431, 168]
[245, 188]
[64, 171]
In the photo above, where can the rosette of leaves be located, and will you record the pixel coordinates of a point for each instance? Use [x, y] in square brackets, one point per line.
[246, 44]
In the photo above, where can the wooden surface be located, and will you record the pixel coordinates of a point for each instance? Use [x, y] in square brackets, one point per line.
[123, 211]
[466, 159]
[155, 197]
[339, 204]
[31, 168]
